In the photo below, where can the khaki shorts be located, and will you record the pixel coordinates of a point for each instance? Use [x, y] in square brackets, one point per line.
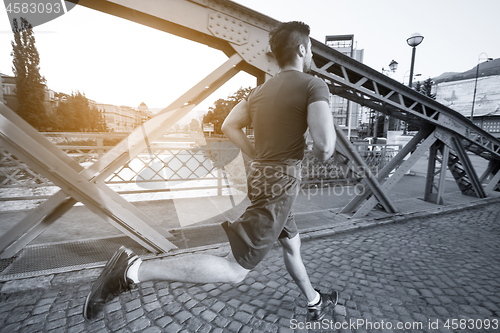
[272, 190]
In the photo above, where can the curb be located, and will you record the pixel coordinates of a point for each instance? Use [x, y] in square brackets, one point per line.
[359, 224]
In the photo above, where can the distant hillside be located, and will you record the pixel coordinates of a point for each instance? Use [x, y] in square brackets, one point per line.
[486, 69]
[444, 76]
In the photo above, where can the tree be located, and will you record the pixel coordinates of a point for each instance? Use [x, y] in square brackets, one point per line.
[218, 113]
[424, 88]
[427, 88]
[194, 125]
[77, 113]
[418, 87]
[30, 85]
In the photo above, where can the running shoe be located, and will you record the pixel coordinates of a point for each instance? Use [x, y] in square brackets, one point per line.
[112, 281]
[318, 311]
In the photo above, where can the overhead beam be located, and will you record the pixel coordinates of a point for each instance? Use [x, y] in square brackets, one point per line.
[384, 94]
[222, 25]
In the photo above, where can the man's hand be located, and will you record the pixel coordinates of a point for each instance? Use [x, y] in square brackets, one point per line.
[320, 121]
[232, 127]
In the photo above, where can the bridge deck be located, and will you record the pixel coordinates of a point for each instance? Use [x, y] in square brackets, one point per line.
[80, 239]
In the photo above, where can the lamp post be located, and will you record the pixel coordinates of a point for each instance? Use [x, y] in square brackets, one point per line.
[475, 84]
[414, 40]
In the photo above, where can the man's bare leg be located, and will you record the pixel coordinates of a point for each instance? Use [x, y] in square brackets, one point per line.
[124, 266]
[295, 266]
[195, 268]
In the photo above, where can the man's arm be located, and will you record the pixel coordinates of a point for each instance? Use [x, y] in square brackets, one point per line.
[320, 122]
[232, 127]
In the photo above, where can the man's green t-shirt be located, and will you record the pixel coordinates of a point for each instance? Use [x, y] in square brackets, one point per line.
[278, 109]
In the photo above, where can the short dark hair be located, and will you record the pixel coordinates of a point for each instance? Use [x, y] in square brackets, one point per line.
[285, 39]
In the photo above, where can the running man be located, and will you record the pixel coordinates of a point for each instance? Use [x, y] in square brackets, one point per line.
[281, 110]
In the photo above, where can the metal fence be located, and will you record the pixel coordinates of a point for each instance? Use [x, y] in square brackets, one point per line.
[171, 164]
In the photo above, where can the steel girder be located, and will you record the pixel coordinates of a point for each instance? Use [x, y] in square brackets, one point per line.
[460, 165]
[493, 171]
[492, 175]
[438, 159]
[363, 85]
[220, 24]
[232, 28]
[33, 149]
[42, 217]
[463, 171]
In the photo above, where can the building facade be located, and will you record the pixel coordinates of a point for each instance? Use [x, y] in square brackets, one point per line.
[475, 92]
[123, 119]
[347, 114]
[9, 98]
[8, 92]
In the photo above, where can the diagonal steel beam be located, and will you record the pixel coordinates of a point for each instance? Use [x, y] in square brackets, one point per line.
[488, 172]
[398, 174]
[32, 225]
[45, 210]
[352, 206]
[57, 205]
[43, 161]
[468, 167]
[137, 140]
[359, 166]
[495, 180]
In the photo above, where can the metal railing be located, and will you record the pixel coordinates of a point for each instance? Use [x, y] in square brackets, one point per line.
[377, 155]
[172, 164]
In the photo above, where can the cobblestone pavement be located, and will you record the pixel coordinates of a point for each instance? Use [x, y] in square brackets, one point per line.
[418, 273]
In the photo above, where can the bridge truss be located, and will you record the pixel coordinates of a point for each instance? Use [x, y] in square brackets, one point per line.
[242, 34]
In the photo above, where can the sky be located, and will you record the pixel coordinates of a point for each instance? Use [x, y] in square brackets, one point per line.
[119, 62]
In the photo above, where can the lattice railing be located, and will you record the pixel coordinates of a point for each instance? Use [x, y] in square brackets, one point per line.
[14, 173]
[377, 155]
[171, 167]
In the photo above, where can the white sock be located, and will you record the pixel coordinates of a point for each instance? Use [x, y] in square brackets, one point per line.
[133, 271]
[315, 300]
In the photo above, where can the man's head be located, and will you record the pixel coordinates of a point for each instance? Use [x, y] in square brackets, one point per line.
[290, 41]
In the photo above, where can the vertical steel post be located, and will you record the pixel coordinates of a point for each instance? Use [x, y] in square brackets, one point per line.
[434, 192]
[414, 50]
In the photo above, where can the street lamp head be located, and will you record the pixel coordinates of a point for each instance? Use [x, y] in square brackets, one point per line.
[393, 65]
[485, 56]
[415, 39]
